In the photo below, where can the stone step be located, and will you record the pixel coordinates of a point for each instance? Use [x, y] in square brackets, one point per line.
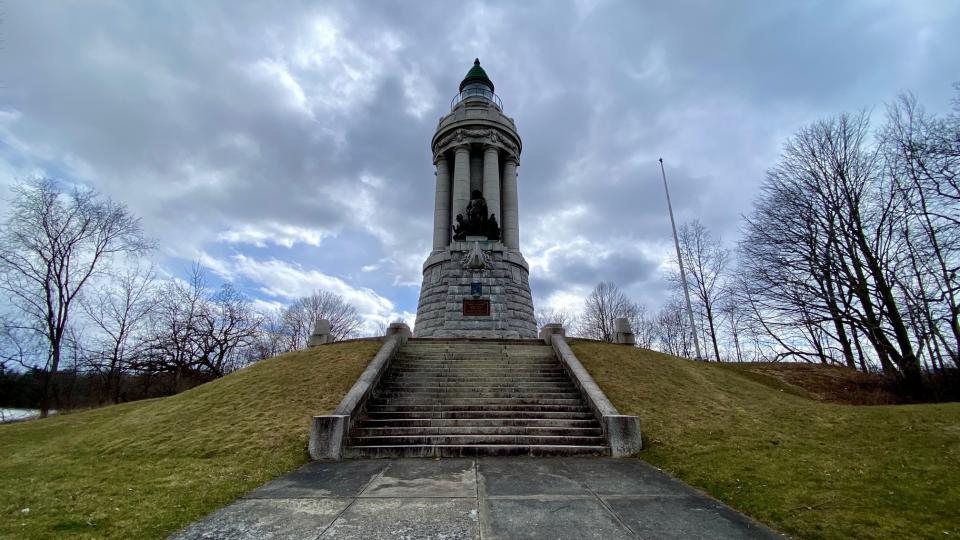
[460, 414]
[472, 353]
[492, 385]
[404, 379]
[486, 363]
[396, 389]
[471, 340]
[497, 366]
[473, 450]
[413, 347]
[369, 431]
[470, 402]
[499, 374]
[474, 358]
[456, 394]
[469, 397]
[549, 386]
[394, 440]
[531, 376]
[476, 372]
[431, 355]
[477, 422]
[488, 366]
[469, 353]
[440, 382]
[406, 407]
[479, 364]
[505, 349]
[478, 361]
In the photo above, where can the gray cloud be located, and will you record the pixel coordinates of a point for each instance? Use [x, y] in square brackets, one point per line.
[284, 133]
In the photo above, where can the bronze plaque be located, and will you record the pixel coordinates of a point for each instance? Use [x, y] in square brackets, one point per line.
[476, 308]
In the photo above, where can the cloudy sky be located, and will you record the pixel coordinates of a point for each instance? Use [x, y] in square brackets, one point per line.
[285, 145]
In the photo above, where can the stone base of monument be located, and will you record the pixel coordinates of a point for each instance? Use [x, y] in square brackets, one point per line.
[476, 288]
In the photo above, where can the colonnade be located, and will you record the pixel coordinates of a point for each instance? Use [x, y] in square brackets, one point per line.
[453, 195]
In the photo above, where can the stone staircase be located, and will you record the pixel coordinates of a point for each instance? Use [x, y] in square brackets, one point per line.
[462, 397]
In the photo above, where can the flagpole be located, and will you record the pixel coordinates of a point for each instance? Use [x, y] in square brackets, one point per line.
[683, 273]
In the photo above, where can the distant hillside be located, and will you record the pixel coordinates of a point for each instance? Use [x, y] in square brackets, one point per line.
[145, 469]
[810, 468]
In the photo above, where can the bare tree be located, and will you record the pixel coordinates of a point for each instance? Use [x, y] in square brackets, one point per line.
[601, 308]
[706, 261]
[922, 156]
[734, 317]
[119, 311]
[53, 243]
[17, 346]
[561, 316]
[270, 339]
[194, 331]
[823, 248]
[175, 324]
[672, 329]
[301, 315]
[227, 325]
[644, 327]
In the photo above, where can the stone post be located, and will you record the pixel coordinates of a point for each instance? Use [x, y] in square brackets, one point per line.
[623, 334]
[321, 334]
[491, 181]
[399, 329]
[550, 330]
[441, 211]
[461, 184]
[510, 225]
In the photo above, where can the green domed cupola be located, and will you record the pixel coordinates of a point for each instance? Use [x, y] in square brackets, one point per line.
[476, 75]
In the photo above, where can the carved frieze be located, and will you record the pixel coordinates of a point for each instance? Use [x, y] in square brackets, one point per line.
[475, 135]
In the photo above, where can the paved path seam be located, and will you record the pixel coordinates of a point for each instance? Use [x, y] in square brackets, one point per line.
[604, 504]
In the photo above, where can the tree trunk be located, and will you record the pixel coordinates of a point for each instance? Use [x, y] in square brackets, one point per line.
[713, 331]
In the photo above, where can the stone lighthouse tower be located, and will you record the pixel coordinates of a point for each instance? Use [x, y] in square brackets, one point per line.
[475, 281]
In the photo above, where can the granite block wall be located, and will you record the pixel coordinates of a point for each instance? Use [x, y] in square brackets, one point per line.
[447, 283]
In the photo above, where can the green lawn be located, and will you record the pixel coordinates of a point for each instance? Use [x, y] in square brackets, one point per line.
[145, 469]
[808, 468]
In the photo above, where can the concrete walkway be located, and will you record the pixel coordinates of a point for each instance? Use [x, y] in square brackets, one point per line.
[485, 498]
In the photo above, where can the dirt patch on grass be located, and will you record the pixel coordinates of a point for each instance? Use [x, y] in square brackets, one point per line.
[832, 384]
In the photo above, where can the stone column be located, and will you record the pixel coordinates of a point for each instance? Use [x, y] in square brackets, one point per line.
[461, 183]
[491, 181]
[510, 225]
[441, 206]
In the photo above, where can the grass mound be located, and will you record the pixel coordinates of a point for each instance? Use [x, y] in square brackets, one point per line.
[147, 468]
[809, 468]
